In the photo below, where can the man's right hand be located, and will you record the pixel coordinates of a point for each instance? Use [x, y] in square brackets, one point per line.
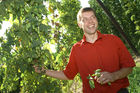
[39, 69]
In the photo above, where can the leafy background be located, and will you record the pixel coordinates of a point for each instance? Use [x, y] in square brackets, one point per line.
[37, 24]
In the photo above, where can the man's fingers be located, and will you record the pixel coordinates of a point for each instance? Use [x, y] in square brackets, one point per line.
[95, 77]
[105, 81]
[104, 78]
[101, 80]
[37, 69]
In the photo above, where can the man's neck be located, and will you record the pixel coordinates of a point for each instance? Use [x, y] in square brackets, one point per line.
[91, 38]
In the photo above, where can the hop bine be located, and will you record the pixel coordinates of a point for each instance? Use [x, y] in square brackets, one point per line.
[90, 77]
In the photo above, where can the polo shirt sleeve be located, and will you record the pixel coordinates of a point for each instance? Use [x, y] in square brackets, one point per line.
[71, 69]
[126, 59]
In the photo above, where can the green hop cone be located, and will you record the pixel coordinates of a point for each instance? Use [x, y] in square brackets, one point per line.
[98, 70]
[97, 74]
[109, 83]
[91, 83]
[89, 77]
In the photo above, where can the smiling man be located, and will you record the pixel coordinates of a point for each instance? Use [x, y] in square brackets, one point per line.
[88, 22]
[96, 51]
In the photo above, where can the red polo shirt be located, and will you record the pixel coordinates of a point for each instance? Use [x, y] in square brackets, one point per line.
[107, 53]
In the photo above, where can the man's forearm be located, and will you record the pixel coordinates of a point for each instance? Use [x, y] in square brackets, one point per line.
[56, 74]
[124, 72]
[52, 73]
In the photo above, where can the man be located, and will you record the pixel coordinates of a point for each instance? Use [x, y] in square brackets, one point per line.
[97, 51]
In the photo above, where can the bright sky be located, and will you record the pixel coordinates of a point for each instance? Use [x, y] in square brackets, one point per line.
[7, 24]
[84, 3]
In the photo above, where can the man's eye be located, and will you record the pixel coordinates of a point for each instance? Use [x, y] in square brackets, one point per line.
[93, 17]
[85, 20]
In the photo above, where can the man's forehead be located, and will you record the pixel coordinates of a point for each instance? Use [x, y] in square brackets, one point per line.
[88, 14]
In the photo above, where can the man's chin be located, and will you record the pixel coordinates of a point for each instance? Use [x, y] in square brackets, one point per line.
[92, 31]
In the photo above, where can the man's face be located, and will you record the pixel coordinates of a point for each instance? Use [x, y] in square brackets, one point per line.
[88, 22]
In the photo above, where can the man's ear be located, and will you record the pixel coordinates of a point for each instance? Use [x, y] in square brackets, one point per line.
[79, 24]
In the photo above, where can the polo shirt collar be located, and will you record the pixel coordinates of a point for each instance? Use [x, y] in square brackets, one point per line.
[99, 36]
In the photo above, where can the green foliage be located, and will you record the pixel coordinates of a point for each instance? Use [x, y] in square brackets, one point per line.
[91, 77]
[126, 12]
[27, 43]
[66, 31]
[134, 81]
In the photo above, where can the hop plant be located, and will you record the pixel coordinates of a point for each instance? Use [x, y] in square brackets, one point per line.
[90, 77]
[91, 82]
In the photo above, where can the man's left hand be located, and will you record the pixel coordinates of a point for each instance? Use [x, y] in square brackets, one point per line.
[105, 77]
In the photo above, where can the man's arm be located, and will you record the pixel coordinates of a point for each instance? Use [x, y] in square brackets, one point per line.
[111, 77]
[52, 73]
